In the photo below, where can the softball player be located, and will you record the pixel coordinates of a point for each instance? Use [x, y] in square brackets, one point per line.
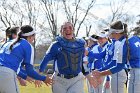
[118, 79]
[103, 41]
[12, 55]
[118, 31]
[68, 54]
[11, 33]
[93, 63]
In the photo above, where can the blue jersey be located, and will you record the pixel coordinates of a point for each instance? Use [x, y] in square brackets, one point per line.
[103, 57]
[22, 73]
[21, 53]
[101, 54]
[134, 45]
[68, 56]
[109, 61]
[134, 54]
[93, 62]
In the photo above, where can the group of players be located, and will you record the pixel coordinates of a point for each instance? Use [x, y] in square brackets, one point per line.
[104, 60]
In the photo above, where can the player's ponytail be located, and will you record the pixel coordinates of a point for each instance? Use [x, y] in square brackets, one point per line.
[127, 42]
[25, 31]
[7, 33]
[17, 40]
[121, 28]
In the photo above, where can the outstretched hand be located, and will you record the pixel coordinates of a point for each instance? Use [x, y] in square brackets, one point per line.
[93, 81]
[30, 80]
[96, 74]
[38, 83]
[22, 82]
[48, 80]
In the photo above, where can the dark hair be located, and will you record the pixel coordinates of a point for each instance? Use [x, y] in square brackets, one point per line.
[106, 29]
[10, 31]
[23, 29]
[7, 33]
[68, 23]
[119, 25]
[95, 36]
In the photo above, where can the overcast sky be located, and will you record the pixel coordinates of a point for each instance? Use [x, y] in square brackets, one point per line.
[102, 9]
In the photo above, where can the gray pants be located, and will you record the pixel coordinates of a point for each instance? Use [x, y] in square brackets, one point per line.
[73, 85]
[134, 81]
[101, 88]
[118, 81]
[90, 89]
[106, 90]
[8, 83]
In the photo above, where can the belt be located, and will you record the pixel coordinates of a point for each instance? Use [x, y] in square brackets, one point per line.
[67, 76]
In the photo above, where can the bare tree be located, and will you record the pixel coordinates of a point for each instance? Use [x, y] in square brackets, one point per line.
[8, 14]
[75, 16]
[120, 11]
[51, 8]
[136, 30]
[5, 17]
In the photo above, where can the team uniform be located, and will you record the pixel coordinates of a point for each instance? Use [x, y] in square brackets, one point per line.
[10, 63]
[22, 73]
[133, 62]
[102, 56]
[118, 80]
[94, 64]
[68, 56]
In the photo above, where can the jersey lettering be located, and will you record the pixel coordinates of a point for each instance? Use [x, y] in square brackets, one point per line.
[137, 44]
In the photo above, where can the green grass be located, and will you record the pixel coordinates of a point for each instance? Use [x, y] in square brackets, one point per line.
[30, 88]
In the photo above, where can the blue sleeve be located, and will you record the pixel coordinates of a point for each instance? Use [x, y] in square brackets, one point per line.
[107, 78]
[50, 55]
[109, 65]
[22, 75]
[32, 73]
[23, 70]
[117, 68]
[97, 55]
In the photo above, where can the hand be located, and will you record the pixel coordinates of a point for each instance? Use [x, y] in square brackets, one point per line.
[38, 83]
[30, 80]
[48, 80]
[92, 80]
[86, 51]
[97, 74]
[22, 82]
[107, 84]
